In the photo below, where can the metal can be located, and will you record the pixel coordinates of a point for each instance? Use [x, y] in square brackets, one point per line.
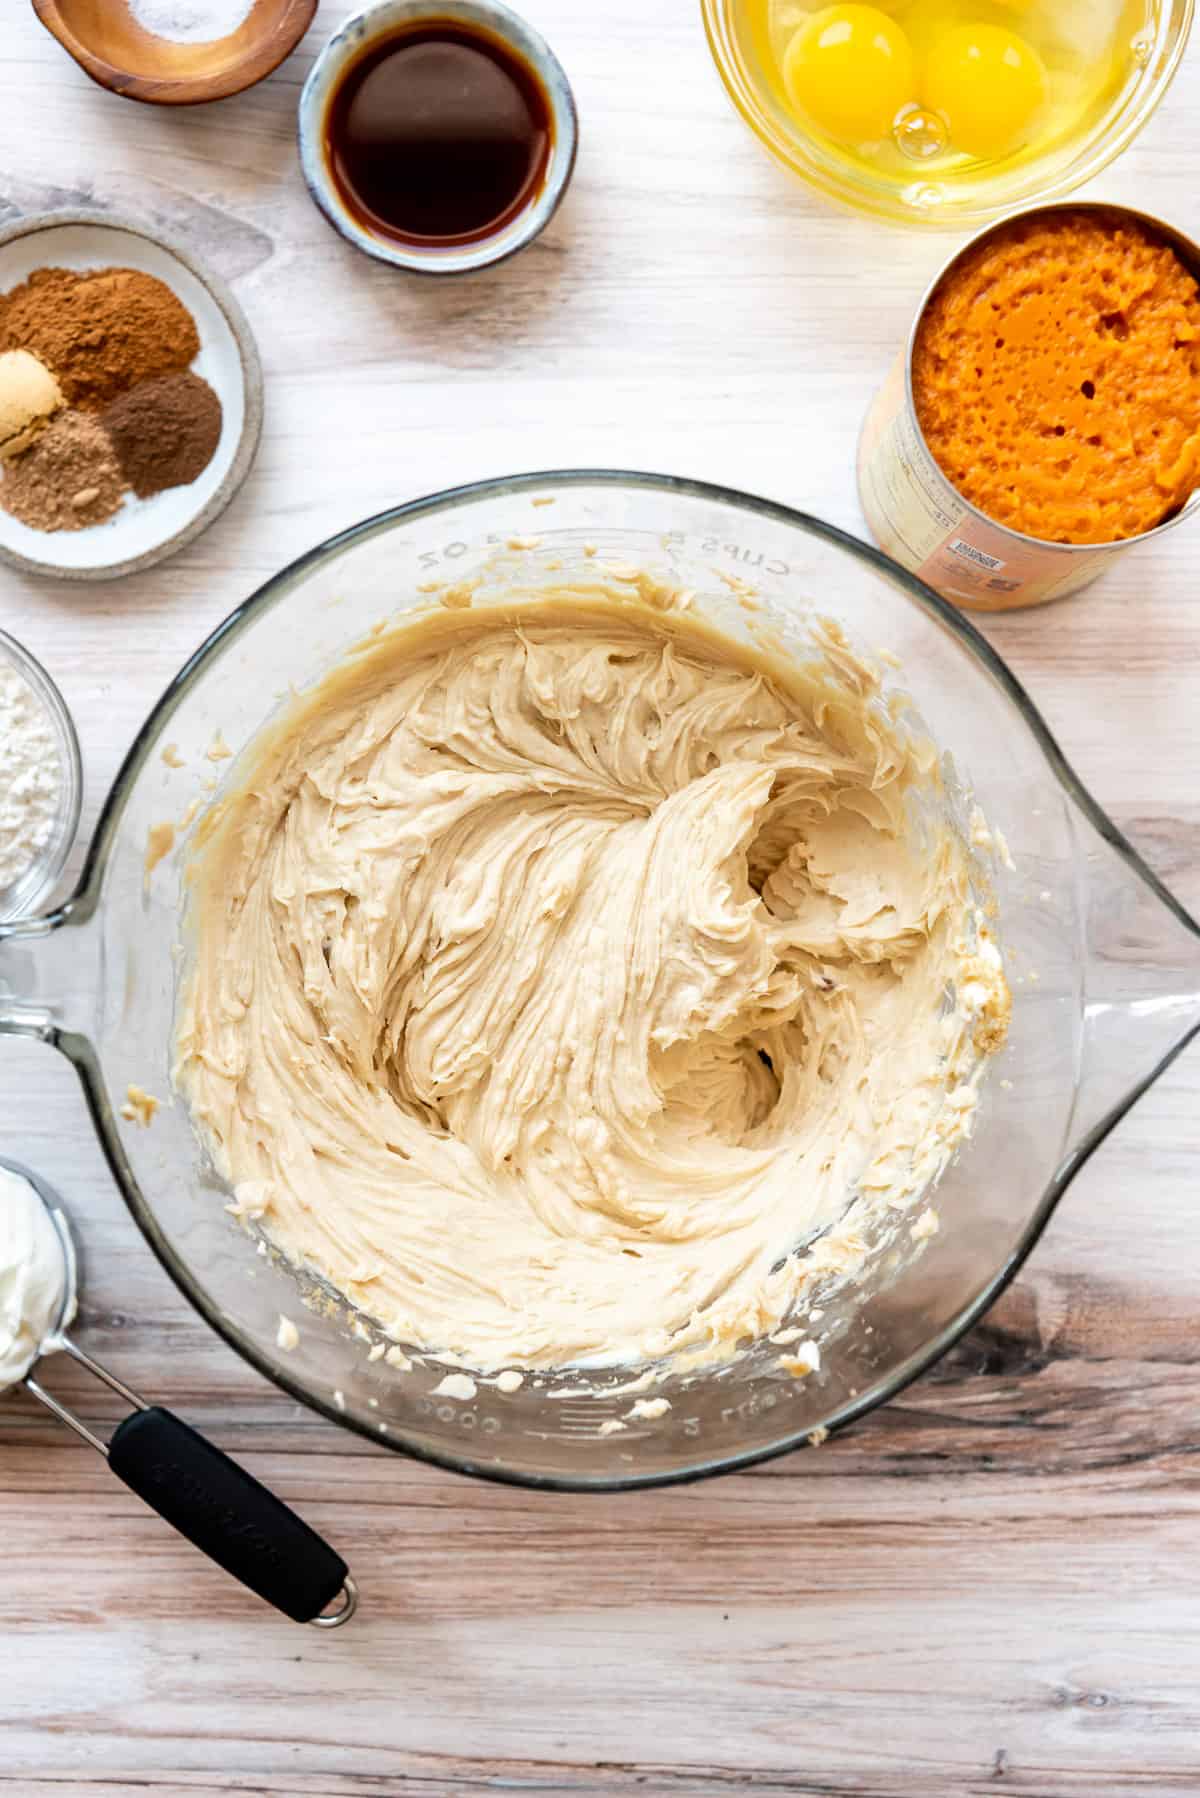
[924, 523]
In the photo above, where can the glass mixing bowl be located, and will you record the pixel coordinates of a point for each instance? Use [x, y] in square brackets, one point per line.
[747, 69]
[1105, 966]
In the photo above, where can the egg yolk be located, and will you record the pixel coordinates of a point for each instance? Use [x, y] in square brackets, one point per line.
[987, 83]
[850, 69]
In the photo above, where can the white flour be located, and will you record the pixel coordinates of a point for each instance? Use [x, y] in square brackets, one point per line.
[190, 21]
[30, 776]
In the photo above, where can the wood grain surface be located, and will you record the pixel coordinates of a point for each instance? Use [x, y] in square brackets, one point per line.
[993, 1585]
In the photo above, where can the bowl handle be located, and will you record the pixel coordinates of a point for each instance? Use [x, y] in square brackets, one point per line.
[1140, 982]
[49, 970]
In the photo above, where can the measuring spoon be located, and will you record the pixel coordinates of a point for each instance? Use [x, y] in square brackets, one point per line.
[199, 1491]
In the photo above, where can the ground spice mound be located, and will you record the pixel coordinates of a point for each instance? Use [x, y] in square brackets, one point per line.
[165, 432]
[68, 479]
[1056, 376]
[99, 332]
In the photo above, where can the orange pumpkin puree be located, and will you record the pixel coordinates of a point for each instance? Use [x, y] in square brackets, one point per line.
[1056, 375]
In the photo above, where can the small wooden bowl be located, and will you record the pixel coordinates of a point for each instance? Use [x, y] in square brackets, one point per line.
[118, 53]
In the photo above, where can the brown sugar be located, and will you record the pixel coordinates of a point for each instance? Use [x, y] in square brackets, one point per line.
[1056, 376]
[99, 332]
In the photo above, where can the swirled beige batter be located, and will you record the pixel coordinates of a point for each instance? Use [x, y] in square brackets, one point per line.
[558, 974]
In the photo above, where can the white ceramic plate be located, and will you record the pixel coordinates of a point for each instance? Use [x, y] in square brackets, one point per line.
[144, 530]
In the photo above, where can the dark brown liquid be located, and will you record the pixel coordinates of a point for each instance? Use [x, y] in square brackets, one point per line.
[438, 135]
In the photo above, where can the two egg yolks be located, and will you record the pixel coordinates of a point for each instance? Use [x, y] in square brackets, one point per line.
[851, 69]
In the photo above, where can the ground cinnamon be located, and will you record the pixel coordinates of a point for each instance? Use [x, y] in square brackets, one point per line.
[99, 332]
[164, 431]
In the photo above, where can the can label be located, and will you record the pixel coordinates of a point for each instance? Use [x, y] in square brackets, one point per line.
[969, 554]
[919, 520]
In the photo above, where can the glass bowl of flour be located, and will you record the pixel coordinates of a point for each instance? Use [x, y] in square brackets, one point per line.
[41, 785]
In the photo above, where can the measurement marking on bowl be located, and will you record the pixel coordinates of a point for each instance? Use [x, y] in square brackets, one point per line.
[581, 1420]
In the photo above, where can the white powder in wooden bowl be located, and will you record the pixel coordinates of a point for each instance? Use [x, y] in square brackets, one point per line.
[190, 21]
[31, 777]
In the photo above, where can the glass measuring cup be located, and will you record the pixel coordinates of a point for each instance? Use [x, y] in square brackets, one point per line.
[1105, 964]
[198, 1490]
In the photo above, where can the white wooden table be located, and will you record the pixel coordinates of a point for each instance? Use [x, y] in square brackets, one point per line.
[992, 1586]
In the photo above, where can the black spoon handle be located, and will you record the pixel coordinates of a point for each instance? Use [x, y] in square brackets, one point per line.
[230, 1516]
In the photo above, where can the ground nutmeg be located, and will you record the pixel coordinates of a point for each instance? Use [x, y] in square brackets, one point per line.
[164, 431]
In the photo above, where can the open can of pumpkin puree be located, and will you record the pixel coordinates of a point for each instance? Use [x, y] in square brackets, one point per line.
[919, 517]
